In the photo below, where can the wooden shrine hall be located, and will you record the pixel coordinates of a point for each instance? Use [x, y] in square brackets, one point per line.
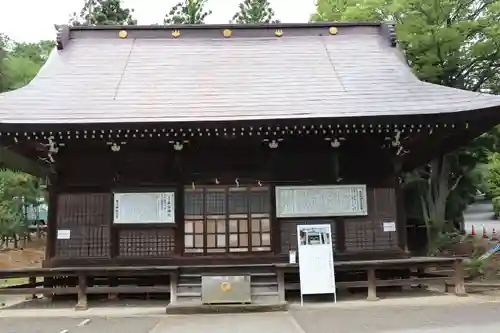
[197, 150]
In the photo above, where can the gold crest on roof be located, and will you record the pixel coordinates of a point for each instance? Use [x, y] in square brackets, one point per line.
[227, 33]
[123, 34]
[278, 33]
[176, 33]
[333, 30]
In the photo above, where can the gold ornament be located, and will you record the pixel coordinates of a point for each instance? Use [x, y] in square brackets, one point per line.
[123, 34]
[176, 33]
[225, 286]
[333, 30]
[227, 33]
[278, 33]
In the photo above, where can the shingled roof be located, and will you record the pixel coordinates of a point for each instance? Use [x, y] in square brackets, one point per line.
[200, 73]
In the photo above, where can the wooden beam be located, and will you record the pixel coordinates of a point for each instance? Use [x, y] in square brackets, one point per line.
[445, 142]
[15, 161]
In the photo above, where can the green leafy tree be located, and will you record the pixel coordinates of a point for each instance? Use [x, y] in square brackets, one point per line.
[493, 176]
[4, 77]
[453, 43]
[17, 192]
[254, 11]
[20, 62]
[103, 12]
[35, 52]
[23, 62]
[19, 71]
[188, 12]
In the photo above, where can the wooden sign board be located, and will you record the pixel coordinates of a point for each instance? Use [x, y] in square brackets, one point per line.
[152, 207]
[321, 201]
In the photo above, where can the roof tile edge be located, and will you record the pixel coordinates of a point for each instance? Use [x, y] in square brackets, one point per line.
[389, 31]
[63, 35]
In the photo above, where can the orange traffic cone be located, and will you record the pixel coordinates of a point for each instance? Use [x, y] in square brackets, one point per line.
[494, 236]
[473, 231]
[484, 232]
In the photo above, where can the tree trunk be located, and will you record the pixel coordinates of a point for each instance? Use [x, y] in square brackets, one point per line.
[434, 199]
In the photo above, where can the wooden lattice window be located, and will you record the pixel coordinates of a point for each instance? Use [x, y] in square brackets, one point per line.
[158, 242]
[86, 217]
[227, 219]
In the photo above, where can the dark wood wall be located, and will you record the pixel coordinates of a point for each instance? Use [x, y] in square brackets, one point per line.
[87, 175]
[354, 234]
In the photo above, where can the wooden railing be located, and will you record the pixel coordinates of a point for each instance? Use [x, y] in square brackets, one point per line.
[50, 286]
[106, 280]
[417, 266]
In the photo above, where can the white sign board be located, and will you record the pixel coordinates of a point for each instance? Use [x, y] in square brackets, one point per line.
[292, 257]
[63, 234]
[316, 266]
[321, 201]
[153, 207]
[389, 226]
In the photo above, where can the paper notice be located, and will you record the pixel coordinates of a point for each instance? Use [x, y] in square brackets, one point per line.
[389, 226]
[63, 234]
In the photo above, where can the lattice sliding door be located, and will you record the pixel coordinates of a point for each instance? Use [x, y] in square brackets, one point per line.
[260, 214]
[194, 221]
[227, 219]
[215, 213]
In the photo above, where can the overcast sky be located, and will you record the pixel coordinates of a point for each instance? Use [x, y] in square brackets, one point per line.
[33, 20]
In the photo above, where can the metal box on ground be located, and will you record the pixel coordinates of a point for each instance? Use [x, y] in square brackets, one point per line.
[228, 289]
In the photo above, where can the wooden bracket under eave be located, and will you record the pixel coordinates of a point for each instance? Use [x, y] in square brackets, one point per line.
[62, 37]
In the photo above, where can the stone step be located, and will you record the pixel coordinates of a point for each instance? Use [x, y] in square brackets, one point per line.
[196, 307]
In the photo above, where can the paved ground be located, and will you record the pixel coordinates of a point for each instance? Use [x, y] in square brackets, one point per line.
[478, 214]
[462, 316]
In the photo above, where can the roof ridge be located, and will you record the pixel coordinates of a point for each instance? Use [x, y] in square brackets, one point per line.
[65, 32]
[227, 25]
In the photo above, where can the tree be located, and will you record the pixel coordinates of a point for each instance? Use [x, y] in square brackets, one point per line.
[254, 11]
[493, 176]
[103, 12]
[188, 12]
[453, 43]
[35, 52]
[17, 191]
[19, 71]
[19, 64]
[4, 79]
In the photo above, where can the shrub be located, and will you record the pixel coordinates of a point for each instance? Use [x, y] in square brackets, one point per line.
[493, 176]
[496, 206]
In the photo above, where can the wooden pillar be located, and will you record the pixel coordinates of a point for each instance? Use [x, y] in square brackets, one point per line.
[174, 278]
[50, 250]
[32, 284]
[179, 204]
[400, 208]
[458, 278]
[113, 282]
[372, 285]
[281, 285]
[82, 292]
[275, 223]
[340, 245]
